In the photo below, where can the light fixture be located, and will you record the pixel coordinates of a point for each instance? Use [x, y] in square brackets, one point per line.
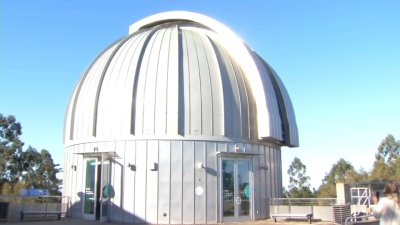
[263, 167]
[155, 167]
[132, 166]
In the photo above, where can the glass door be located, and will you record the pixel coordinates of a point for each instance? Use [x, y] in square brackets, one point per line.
[90, 194]
[236, 190]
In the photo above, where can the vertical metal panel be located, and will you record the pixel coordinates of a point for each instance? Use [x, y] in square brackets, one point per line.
[117, 180]
[152, 182]
[173, 84]
[188, 183]
[232, 101]
[129, 182]
[200, 182]
[140, 184]
[164, 181]
[226, 91]
[149, 73]
[256, 188]
[244, 103]
[263, 183]
[132, 61]
[160, 116]
[216, 86]
[176, 182]
[212, 189]
[79, 180]
[268, 173]
[279, 159]
[273, 174]
[143, 95]
[205, 93]
[194, 85]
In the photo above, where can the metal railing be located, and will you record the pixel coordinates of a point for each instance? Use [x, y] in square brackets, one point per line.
[303, 201]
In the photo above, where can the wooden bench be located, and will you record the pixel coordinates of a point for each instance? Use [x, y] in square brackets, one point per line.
[45, 213]
[307, 216]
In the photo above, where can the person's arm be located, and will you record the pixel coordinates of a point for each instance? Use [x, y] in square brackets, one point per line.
[379, 207]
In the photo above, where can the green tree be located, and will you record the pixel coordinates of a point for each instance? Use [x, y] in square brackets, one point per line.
[20, 169]
[39, 170]
[10, 149]
[299, 186]
[387, 160]
[341, 172]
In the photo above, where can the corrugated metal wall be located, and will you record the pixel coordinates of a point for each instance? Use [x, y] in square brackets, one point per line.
[166, 193]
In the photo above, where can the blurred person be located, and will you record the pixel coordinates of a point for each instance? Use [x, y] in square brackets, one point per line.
[387, 208]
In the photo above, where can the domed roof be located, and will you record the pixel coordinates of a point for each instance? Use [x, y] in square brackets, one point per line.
[180, 74]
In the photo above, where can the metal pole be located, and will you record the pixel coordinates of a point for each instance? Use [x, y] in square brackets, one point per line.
[101, 191]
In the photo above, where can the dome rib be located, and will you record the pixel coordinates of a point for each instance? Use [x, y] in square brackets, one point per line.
[136, 79]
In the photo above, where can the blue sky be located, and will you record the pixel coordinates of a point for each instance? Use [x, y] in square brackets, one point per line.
[339, 60]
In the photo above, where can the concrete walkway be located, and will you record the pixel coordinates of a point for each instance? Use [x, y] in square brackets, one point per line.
[70, 221]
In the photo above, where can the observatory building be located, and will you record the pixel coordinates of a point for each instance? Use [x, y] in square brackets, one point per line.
[179, 122]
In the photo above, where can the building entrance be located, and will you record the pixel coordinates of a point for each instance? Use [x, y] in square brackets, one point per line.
[236, 189]
[95, 198]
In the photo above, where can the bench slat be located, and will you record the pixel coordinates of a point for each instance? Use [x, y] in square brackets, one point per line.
[23, 213]
[308, 216]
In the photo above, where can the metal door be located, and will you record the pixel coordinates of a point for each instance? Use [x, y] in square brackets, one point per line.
[90, 192]
[236, 189]
[97, 189]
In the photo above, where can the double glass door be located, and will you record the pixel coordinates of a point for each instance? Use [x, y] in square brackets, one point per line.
[96, 189]
[236, 190]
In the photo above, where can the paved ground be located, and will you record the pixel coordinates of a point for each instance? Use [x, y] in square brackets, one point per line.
[69, 221]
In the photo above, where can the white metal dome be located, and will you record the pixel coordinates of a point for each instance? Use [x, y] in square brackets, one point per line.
[180, 74]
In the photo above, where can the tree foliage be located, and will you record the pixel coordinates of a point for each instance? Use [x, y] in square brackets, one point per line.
[10, 148]
[299, 186]
[387, 160]
[19, 168]
[341, 172]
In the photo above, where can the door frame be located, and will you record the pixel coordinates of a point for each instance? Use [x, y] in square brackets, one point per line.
[235, 218]
[87, 216]
[101, 202]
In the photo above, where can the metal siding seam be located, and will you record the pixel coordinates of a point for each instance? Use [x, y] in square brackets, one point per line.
[79, 86]
[170, 179]
[188, 117]
[181, 91]
[134, 185]
[135, 83]
[166, 89]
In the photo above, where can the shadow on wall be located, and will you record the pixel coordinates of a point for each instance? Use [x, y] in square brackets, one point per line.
[114, 212]
[86, 210]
